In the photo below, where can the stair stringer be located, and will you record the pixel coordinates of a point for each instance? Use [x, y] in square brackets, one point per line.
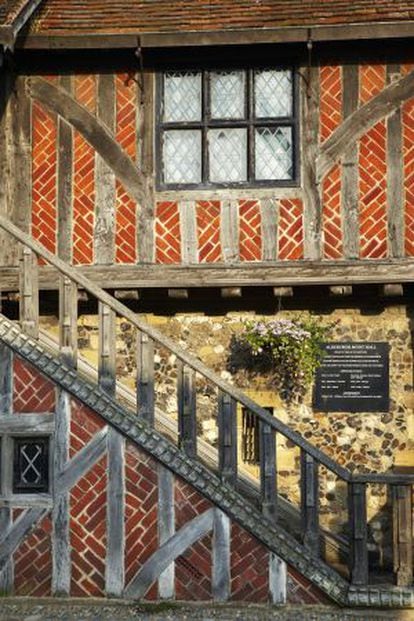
[223, 496]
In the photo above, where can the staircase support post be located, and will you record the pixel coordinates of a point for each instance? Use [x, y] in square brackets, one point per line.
[402, 534]
[357, 507]
[145, 377]
[310, 502]
[187, 423]
[268, 479]
[227, 424]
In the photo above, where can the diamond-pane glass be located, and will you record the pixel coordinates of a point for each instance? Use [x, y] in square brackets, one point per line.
[182, 156]
[273, 93]
[273, 153]
[227, 155]
[31, 465]
[227, 94]
[182, 97]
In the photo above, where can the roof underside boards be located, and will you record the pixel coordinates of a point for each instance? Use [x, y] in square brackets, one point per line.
[56, 17]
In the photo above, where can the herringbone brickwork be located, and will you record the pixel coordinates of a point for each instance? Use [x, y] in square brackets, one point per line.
[44, 171]
[88, 510]
[33, 562]
[167, 233]
[332, 220]
[290, 238]
[250, 237]
[330, 99]
[84, 178]
[193, 568]
[249, 567]
[141, 498]
[125, 219]
[208, 229]
[373, 172]
[32, 393]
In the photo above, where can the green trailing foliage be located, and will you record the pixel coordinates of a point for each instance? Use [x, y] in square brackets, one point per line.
[289, 350]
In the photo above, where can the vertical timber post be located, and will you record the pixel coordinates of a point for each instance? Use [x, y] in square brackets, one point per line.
[310, 502]
[6, 409]
[115, 528]
[357, 507]
[145, 377]
[403, 534]
[221, 574]
[187, 423]
[227, 424]
[166, 528]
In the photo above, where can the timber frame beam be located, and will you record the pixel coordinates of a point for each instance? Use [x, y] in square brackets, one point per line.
[269, 274]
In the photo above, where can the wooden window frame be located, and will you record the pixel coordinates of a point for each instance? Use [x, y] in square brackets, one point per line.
[250, 122]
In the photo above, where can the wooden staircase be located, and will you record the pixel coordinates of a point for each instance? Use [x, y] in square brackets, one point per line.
[264, 519]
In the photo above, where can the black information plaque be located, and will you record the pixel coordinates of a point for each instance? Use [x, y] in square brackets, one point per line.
[353, 377]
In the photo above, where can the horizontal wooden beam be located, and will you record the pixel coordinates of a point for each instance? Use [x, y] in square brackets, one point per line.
[271, 274]
[27, 423]
[340, 32]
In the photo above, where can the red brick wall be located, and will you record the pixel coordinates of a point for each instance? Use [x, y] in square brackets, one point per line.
[33, 560]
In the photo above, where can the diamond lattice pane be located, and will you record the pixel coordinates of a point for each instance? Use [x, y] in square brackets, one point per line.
[273, 93]
[227, 154]
[182, 156]
[227, 95]
[273, 153]
[182, 97]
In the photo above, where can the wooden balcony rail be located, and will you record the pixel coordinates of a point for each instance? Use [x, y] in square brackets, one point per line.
[189, 368]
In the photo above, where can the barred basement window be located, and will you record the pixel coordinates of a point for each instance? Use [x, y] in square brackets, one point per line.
[234, 128]
[31, 465]
[250, 441]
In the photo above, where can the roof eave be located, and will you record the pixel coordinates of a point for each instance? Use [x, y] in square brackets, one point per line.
[10, 31]
[340, 32]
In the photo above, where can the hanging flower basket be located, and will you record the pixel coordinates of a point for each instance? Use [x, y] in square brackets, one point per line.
[289, 350]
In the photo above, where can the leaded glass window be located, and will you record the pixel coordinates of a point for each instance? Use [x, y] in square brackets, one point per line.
[232, 128]
[31, 465]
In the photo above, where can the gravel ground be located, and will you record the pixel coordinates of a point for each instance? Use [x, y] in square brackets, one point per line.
[21, 609]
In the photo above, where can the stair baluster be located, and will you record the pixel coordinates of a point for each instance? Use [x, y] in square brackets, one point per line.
[310, 501]
[268, 478]
[107, 349]
[145, 377]
[403, 534]
[187, 423]
[227, 426]
[29, 293]
[68, 318]
[357, 506]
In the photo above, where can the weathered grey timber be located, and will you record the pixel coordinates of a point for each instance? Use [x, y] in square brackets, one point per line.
[115, 525]
[175, 546]
[145, 377]
[187, 421]
[269, 210]
[6, 403]
[83, 461]
[227, 441]
[221, 574]
[20, 528]
[277, 580]
[310, 502]
[65, 180]
[350, 173]
[282, 273]
[32, 423]
[188, 230]
[166, 528]
[19, 17]
[99, 137]
[145, 162]
[29, 292]
[311, 191]
[358, 526]
[395, 176]
[268, 478]
[229, 231]
[61, 572]
[104, 230]
[107, 349]
[221, 494]
[359, 122]
[403, 534]
[68, 318]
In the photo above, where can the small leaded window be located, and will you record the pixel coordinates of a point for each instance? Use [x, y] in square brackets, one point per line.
[31, 465]
[227, 128]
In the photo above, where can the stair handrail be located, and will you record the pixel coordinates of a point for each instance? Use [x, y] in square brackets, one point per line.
[187, 358]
